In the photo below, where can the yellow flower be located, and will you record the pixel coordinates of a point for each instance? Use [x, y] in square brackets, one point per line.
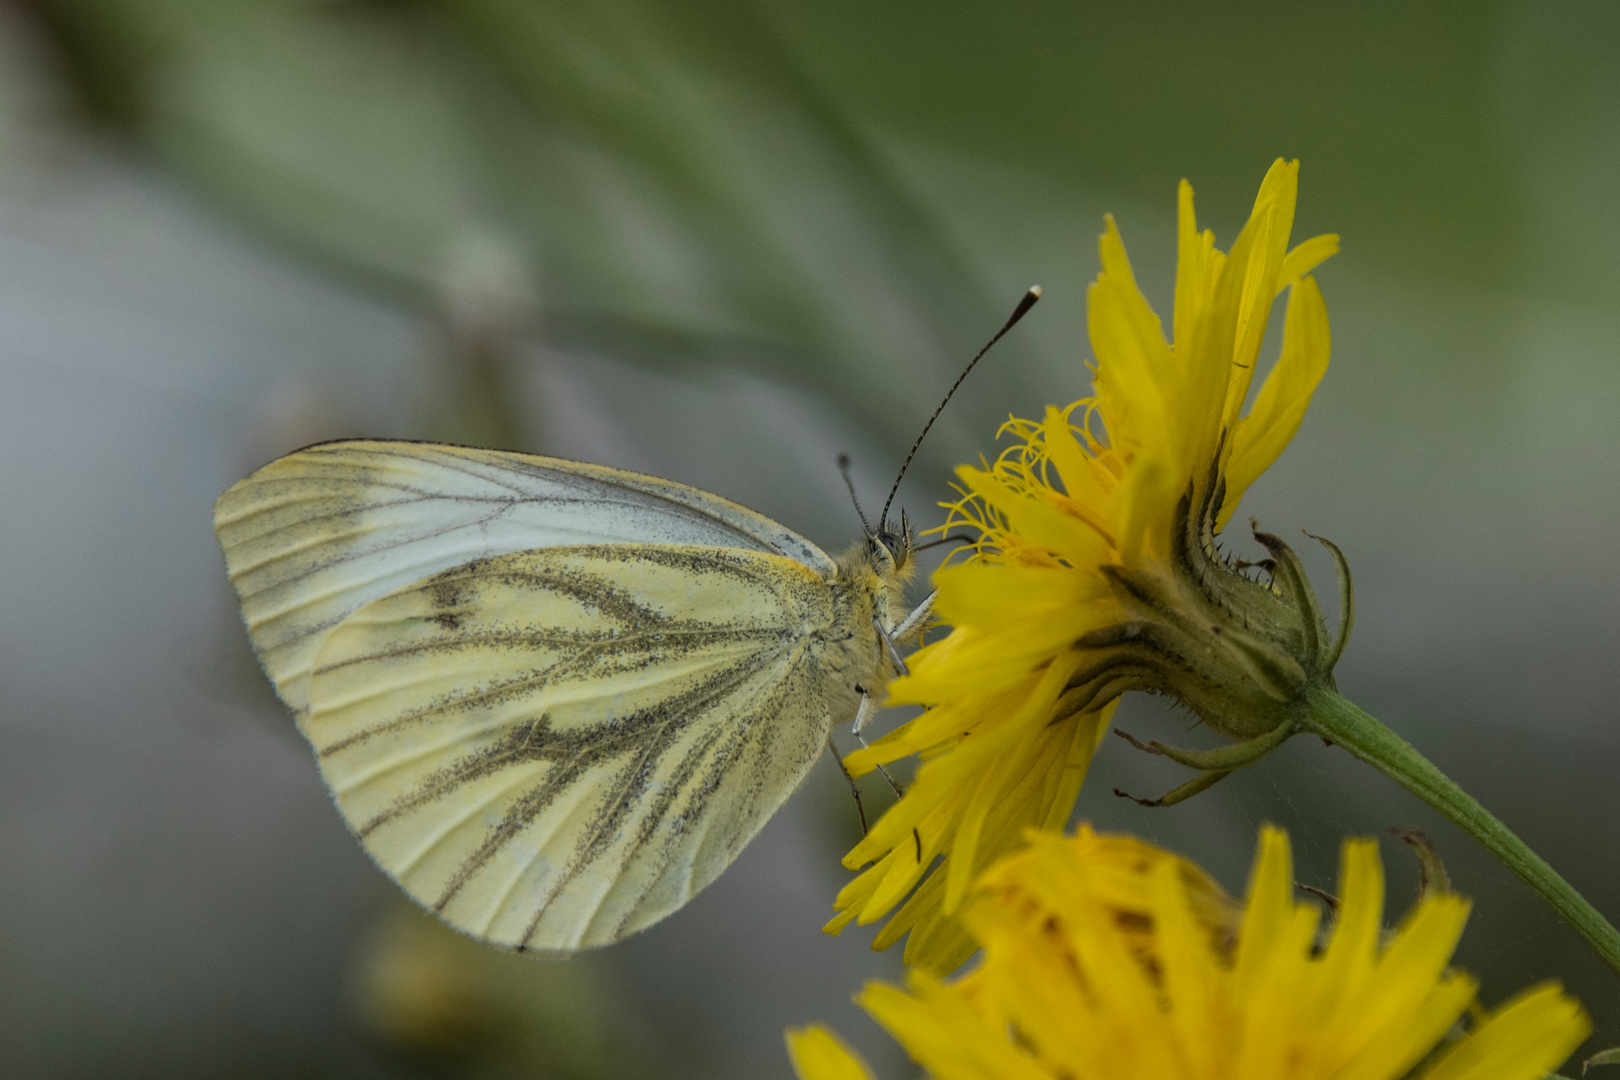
[1107, 959]
[1094, 572]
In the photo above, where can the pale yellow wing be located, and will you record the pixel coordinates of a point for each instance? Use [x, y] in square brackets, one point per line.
[315, 535]
[555, 748]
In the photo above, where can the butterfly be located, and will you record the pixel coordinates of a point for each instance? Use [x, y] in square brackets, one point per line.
[554, 700]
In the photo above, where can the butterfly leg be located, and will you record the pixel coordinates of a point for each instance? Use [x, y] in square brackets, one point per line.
[862, 712]
[894, 651]
[854, 791]
[913, 622]
[904, 629]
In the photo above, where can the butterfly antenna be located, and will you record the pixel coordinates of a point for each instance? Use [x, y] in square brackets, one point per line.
[1019, 312]
[843, 468]
[943, 540]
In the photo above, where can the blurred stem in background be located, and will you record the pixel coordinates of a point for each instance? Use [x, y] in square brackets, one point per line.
[1385, 98]
[675, 186]
[488, 303]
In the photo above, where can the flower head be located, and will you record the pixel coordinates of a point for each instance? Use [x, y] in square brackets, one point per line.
[1094, 571]
[1108, 959]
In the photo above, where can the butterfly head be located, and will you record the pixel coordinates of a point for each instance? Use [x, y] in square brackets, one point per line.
[891, 548]
[878, 566]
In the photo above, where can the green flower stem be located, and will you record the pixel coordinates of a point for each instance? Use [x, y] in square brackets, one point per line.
[1341, 722]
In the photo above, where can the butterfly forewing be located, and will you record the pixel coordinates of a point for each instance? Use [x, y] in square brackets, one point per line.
[554, 748]
[314, 536]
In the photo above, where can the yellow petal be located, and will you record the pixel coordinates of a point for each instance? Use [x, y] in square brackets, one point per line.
[1524, 1039]
[837, 923]
[1279, 408]
[1269, 907]
[1039, 521]
[1193, 278]
[1193, 981]
[819, 1054]
[1305, 257]
[991, 661]
[1085, 480]
[930, 730]
[1122, 990]
[943, 1034]
[1220, 350]
[1090, 729]
[1408, 1035]
[987, 594]
[1358, 925]
[1272, 1030]
[1156, 482]
[1408, 971]
[1254, 300]
[1133, 358]
[938, 943]
[1037, 995]
[899, 871]
[1111, 251]
[988, 793]
[1253, 266]
[979, 801]
[938, 784]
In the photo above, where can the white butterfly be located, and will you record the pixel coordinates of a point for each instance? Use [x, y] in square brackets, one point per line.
[553, 700]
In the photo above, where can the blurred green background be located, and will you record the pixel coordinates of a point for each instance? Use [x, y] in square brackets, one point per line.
[723, 241]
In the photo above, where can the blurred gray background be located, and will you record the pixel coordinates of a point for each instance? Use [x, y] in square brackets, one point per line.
[723, 241]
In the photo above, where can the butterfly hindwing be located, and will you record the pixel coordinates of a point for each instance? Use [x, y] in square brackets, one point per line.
[316, 535]
[554, 748]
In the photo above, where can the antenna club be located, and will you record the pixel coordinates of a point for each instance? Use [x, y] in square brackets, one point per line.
[1027, 302]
